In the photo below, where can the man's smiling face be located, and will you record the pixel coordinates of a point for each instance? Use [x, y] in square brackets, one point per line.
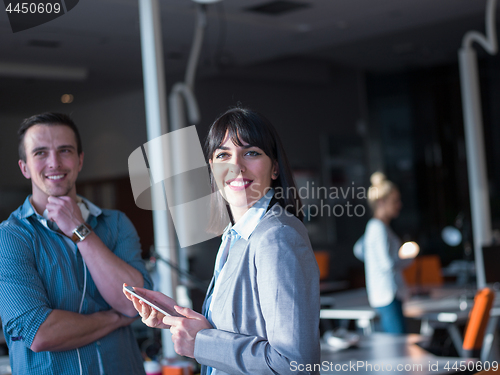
[52, 161]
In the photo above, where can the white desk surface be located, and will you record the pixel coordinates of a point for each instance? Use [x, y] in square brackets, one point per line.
[441, 304]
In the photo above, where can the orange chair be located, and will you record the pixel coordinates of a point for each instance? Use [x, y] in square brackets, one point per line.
[478, 321]
[323, 259]
[425, 270]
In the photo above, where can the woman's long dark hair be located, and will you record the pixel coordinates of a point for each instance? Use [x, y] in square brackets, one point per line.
[242, 124]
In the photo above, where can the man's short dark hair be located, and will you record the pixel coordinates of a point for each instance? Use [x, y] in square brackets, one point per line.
[49, 119]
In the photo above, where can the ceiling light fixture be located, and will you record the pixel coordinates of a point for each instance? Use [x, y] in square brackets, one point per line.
[278, 8]
[206, 1]
[64, 73]
[44, 43]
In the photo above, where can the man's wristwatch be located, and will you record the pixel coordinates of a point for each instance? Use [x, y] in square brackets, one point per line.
[80, 233]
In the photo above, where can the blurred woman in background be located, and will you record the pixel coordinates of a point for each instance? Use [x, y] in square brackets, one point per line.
[380, 249]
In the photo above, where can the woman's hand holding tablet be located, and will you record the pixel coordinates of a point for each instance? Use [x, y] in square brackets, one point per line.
[152, 306]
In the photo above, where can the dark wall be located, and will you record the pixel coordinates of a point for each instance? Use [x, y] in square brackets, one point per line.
[424, 149]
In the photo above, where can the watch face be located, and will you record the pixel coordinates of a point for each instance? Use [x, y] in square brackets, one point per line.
[82, 231]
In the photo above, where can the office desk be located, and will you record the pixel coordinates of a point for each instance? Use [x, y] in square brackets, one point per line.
[381, 353]
[349, 305]
[440, 299]
[443, 306]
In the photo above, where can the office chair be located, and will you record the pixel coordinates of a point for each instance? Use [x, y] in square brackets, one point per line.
[474, 334]
[424, 271]
[477, 323]
[323, 260]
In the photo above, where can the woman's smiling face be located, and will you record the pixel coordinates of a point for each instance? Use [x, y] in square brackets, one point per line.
[243, 174]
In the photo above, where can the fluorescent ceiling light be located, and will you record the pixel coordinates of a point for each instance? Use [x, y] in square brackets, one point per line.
[64, 73]
[206, 1]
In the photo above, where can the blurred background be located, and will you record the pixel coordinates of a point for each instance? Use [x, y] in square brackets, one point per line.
[351, 86]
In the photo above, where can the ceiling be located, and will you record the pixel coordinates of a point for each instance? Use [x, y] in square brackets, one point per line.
[102, 36]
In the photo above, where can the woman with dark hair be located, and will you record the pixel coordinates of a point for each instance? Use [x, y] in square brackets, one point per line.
[242, 124]
[261, 311]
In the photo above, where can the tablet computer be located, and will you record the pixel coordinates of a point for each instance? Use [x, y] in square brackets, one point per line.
[164, 309]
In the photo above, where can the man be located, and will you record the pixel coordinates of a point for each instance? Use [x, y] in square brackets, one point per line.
[63, 262]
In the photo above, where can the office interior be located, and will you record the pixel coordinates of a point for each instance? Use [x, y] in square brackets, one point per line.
[351, 87]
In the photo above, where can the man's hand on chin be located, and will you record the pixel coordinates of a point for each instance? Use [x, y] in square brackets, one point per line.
[65, 213]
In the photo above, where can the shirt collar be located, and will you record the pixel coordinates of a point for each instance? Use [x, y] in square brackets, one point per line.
[28, 210]
[93, 209]
[247, 223]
